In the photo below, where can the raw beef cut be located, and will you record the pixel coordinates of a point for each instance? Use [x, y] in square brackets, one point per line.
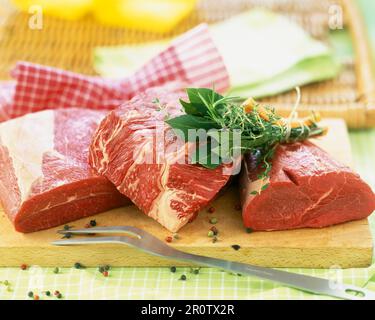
[169, 191]
[45, 179]
[307, 188]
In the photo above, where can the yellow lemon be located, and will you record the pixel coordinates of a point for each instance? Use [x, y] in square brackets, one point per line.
[67, 9]
[147, 15]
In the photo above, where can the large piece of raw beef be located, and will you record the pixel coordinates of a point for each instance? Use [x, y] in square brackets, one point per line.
[169, 192]
[307, 188]
[45, 179]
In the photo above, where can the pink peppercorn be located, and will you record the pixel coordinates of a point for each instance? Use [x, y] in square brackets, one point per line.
[211, 210]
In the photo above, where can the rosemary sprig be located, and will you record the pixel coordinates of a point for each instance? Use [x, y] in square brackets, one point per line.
[261, 128]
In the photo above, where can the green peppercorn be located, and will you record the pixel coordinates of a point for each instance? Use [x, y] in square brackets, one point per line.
[30, 294]
[183, 277]
[67, 227]
[77, 265]
[107, 267]
[6, 283]
[210, 233]
[213, 220]
[173, 269]
[56, 270]
[101, 269]
[48, 293]
[249, 230]
[59, 296]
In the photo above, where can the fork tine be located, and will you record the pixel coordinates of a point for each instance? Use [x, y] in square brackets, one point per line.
[97, 240]
[119, 229]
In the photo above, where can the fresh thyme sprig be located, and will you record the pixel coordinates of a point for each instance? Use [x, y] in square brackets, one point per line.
[261, 128]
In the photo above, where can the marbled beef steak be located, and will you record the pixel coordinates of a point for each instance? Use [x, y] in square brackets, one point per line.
[45, 179]
[124, 150]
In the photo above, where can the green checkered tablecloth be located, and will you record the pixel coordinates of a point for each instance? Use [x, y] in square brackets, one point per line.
[160, 283]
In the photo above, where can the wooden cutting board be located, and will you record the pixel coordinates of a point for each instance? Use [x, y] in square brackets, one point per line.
[346, 245]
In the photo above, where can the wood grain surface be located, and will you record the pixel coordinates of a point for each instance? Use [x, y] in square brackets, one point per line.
[345, 245]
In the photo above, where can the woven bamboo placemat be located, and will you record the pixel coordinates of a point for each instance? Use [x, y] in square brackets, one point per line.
[70, 44]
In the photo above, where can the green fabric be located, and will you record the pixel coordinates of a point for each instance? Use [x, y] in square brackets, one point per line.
[318, 68]
[341, 41]
[160, 283]
[367, 9]
[342, 44]
[253, 69]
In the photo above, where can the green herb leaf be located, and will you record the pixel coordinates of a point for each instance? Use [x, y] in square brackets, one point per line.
[187, 121]
[193, 109]
[205, 156]
[198, 100]
[196, 94]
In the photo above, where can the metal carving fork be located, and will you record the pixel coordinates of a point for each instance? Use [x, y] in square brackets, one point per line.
[144, 241]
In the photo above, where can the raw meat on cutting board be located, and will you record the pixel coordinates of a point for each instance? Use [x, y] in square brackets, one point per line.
[171, 193]
[307, 188]
[45, 179]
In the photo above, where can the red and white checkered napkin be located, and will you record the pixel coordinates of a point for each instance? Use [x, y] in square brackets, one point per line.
[192, 58]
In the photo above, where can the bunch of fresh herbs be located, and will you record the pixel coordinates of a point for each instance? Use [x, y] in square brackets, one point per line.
[261, 129]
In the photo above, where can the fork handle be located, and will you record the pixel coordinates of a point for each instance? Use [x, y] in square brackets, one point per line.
[294, 280]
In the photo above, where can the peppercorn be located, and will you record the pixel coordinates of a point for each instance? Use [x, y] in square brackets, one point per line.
[107, 267]
[183, 277]
[211, 210]
[56, 293]
[213, 220]
[30, 294]
[214, 230]
[67, 227]
[101, 269]
[93, 223]
[210, 233]
[236, 247]
[214, 239]
[36, 297]
[23, 266]
[48, 293]
[6, 283]
[77, 265]
[176, 236]
[59, 296]
[249, 230]
[105, 274]
[196, 271]
[168, 239]
[173, 269]
[56, 270]
[67, 235]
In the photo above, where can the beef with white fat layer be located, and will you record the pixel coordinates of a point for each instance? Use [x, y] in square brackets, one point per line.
[45, 179]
